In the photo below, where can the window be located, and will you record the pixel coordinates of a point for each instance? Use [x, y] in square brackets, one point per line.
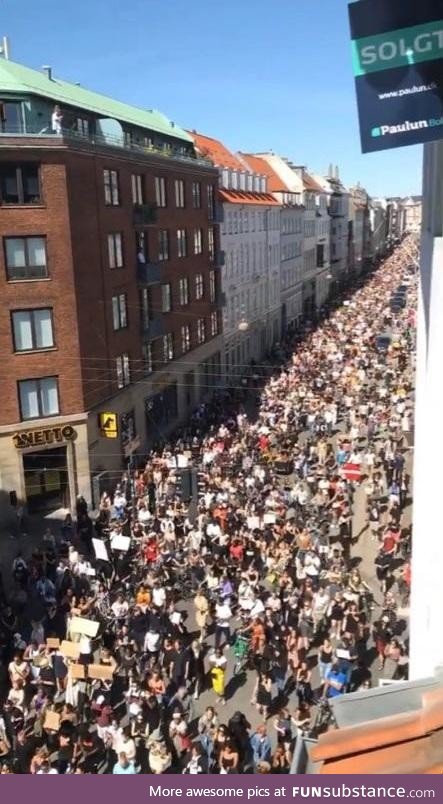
[183, 287]
[211, 200]
[123, 372]
[147, 358]
[82, 127]
[214, 323]
[181, 242]
[160, 191]
[186, 338]
[199, 286]
[163, 245]
[144, 307]
[112, 195]
[119, 312]
[32, 329]
[137, 182]
[115, 250]
[38, 398]
[201, 330]
[211, 246]
[25, 257]
[212, 286]
[20, 184]
[179, 193]
[168, 347]
[166, 298]
[198, 241]
[196, 195]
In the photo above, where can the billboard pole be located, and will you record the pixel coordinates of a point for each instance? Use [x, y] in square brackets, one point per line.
[426, 641]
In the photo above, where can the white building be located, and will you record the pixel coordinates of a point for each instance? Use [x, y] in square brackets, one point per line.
[250, 240]
[338, 205]
[291, 241]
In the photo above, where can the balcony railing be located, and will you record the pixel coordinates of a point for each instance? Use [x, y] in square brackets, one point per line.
[145, 215]
[149, 273]
[99, 141]
[154, 328]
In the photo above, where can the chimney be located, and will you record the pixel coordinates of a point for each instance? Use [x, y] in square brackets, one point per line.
[4, 48]
[337, 172]
[48, 70]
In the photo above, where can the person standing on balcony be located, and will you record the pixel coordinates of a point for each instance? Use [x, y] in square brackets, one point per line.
[57, 120]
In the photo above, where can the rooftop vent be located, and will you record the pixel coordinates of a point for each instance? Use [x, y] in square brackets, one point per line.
[48, 70]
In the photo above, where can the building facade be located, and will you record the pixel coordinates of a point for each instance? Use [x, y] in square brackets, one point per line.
[109, 269]
[291, 242]
[250, 243]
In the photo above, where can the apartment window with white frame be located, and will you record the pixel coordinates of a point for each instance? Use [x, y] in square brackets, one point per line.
[199, 286]
[181, 242]
[198, 241]
[147, 358]
[160, 191]
[145, 307]
[115, 250]
[211, 243]
[214, 323]
[38, 398]
[32, 329]
[25, 258]
[168, 347]
[212, 286]
[110, 181]
[196, 194]
[137, 188]
[166, 298]
[123, 371]
[186, 338]
[183, 290]
[163, 245]
[201, 330]
[82, 127]
[179, 193]
[119, 312]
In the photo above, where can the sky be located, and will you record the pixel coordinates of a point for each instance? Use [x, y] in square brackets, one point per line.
[259, 75]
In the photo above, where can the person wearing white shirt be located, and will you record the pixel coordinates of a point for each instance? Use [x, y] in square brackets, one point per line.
[158, 596]
[223, 616]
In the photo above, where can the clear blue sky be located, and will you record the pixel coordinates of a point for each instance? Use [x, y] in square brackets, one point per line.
[257, 74]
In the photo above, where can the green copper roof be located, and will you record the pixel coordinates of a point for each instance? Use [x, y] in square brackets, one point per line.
[19, 79]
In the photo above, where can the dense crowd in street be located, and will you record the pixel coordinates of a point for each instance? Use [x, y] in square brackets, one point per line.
[115, 627]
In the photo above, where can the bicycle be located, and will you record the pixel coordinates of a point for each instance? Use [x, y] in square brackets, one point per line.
[241, 653]
[324, 718]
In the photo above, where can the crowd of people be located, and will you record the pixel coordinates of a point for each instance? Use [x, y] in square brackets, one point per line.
[116, 627]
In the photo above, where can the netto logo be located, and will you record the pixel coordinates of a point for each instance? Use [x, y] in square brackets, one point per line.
[381, 131]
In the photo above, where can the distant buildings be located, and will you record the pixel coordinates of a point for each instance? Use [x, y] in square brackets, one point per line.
[403, 215]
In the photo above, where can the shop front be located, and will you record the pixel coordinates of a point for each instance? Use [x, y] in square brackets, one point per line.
[45, 467]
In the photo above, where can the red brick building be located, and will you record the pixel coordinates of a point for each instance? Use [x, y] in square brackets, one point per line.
[109, 275]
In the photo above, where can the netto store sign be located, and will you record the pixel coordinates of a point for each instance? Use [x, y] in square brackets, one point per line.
[45, 437]
[397, 50]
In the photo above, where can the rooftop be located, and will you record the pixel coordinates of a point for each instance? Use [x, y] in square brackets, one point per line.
[212, 149]
[259, 165]
[18, 80]
[398, 729]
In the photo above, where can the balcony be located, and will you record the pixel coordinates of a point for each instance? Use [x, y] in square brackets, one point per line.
[144, 215]
[154, 328]
[149, 273]
[72, 137]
